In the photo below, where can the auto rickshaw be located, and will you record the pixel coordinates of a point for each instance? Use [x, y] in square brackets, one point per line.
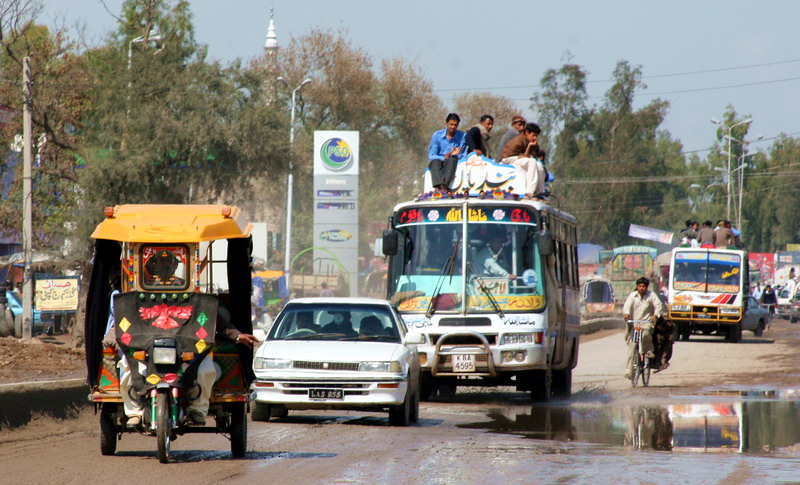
[168, 263]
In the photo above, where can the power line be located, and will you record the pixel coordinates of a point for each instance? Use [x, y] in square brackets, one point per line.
[655, 76]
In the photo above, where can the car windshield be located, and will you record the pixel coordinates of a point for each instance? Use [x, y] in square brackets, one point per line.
[355, 322]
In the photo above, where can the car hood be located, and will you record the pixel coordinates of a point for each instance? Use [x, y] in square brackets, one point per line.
[336, 351]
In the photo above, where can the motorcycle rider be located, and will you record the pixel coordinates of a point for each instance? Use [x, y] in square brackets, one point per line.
[641, 304]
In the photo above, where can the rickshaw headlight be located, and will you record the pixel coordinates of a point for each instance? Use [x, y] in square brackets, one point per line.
[164, 355]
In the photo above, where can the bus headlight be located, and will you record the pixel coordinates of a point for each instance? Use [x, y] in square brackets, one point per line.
[680, 308]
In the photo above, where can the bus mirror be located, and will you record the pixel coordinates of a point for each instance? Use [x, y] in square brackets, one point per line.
[391, 241]
[545, 239]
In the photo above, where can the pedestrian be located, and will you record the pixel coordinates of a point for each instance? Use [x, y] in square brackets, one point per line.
[325, 292]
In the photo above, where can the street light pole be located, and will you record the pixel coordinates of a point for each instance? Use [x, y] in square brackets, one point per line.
[730, 131]
[289, 182]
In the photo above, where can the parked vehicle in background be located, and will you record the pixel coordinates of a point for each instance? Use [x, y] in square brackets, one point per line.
[756, 318]
[794, 309]
[708, 292]
[628, 264]
[338, 353]
[597, 299]
[785, 295]
[40, 323]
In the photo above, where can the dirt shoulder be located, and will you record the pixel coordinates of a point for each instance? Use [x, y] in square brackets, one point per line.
[39, 359]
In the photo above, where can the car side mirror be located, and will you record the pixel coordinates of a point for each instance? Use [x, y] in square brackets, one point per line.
[391, 242]
[545, 240]
[415, 338]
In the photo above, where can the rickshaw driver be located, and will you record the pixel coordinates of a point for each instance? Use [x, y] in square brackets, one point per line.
[641, 304]
[160, 269]
[206, 372]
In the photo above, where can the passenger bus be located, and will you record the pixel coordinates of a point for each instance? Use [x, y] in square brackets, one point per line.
[708, 291]
[519, 329]
[628, 264]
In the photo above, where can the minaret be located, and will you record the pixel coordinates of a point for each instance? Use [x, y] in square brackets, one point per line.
[271, 44]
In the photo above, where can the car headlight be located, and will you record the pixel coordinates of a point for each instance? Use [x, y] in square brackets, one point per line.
[392, 366]
[165, 355]
[729, 310]
[262, 363]
[517, 338]
[680, 308]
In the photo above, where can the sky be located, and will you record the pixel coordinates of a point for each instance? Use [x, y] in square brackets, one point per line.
[701, 56]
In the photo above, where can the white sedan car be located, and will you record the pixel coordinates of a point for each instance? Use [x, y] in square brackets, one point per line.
[338, 353]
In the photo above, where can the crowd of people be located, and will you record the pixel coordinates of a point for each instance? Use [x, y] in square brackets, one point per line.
[519, 146]
[721, 235]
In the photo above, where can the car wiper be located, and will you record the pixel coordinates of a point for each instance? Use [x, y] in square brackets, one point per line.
[485, 290]
[384, 338]
[448, 268]
[311, 336]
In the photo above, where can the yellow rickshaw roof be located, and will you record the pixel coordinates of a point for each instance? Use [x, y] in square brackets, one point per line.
[172, 223]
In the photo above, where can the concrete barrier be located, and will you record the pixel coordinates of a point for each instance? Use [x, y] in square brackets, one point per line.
[20, 402]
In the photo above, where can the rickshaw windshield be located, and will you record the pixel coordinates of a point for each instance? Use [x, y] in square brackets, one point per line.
[164, 267]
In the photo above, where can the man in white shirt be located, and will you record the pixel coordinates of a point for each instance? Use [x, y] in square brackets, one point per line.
[642, 304]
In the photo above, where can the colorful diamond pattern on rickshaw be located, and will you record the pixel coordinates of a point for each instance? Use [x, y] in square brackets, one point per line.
[200, 345]
[202, 318]
[201, 333]
[153, 379]
[124, 324]
[126, 338]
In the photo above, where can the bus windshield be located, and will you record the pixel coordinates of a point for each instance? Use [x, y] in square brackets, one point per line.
[502, 270]
[707, 272]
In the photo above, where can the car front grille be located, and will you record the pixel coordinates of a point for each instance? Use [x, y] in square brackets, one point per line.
[304, 364]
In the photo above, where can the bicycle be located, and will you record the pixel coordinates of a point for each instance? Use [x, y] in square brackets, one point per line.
[640, 367]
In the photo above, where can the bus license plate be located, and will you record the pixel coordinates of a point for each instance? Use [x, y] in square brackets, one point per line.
[325, 394]
[463, 363]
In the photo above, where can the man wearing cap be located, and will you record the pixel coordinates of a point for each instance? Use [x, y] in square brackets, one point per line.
[517, 124]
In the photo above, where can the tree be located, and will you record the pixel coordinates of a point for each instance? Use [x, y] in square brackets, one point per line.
[393, 108]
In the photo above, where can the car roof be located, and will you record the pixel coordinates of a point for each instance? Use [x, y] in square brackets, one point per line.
[338, 301]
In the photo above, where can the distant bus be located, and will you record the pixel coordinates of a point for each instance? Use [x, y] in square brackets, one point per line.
[628, 264]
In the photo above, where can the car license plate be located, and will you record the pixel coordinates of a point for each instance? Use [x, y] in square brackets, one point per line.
[463, 363]
[325, 394]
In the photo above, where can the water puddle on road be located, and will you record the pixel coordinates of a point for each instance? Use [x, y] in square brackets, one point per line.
[757, 422]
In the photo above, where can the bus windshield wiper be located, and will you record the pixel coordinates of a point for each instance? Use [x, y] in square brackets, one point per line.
[448, 268]
[485, 290]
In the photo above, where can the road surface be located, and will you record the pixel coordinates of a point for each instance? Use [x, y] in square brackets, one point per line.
[606, 433]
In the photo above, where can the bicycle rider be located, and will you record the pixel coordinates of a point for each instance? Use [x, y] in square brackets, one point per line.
[641, 304]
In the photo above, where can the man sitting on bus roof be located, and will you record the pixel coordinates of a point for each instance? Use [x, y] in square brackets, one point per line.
[523, 151]
[446, 146]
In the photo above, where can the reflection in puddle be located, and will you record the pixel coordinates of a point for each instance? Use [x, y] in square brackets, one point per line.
[742, 426]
